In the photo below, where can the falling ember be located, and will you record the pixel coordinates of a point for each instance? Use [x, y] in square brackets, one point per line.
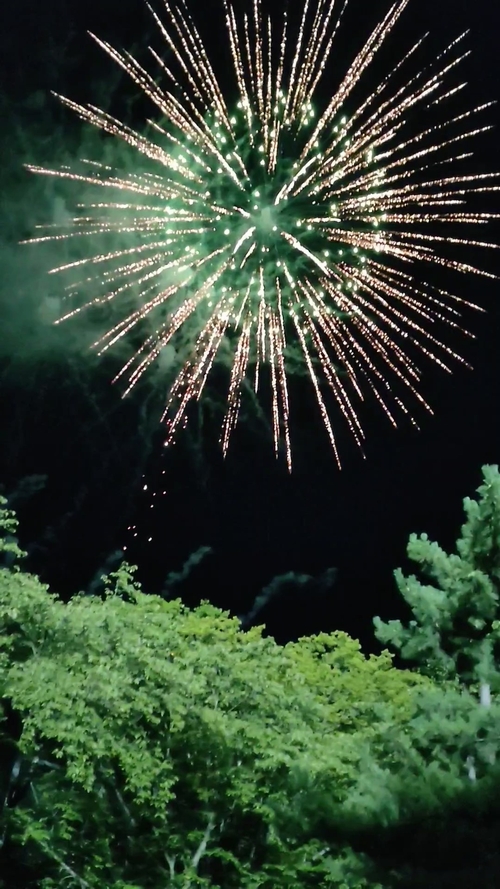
[279, 222]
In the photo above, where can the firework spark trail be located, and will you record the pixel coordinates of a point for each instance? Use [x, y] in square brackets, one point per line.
[277, 226]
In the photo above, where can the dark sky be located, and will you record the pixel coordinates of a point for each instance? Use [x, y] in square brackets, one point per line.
[64, 420]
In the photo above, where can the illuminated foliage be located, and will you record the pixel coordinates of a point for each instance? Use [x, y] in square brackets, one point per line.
[455, 626]
[160, 746]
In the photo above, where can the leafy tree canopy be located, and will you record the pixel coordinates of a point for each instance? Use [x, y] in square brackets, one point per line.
[188, 739]
[163, 747]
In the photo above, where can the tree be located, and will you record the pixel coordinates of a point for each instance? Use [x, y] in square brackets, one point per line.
[454, 638]
[455, 631]
[174, 744]
[161, 747]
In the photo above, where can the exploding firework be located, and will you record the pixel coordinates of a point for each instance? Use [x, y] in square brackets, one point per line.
[278, 223]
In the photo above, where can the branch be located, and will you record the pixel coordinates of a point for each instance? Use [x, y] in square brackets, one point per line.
[171, 865]
[124, 807]
[65, 867]
[111, 786]
[204, 842]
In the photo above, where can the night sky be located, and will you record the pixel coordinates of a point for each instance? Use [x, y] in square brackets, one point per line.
[62, 419]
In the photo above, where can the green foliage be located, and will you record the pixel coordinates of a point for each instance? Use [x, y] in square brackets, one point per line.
[172, 728]
[166, 748]
[358, 691]
[8, 527]
[455, 631]
[453, 638]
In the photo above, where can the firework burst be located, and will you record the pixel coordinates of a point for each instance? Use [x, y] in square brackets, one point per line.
[280, 222]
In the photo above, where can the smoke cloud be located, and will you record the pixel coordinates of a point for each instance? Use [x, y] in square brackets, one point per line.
[288, 586]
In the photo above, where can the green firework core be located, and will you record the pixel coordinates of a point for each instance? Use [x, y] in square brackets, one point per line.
[274, 235]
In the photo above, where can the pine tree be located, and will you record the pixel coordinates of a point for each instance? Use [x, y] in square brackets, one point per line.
[455, 630]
